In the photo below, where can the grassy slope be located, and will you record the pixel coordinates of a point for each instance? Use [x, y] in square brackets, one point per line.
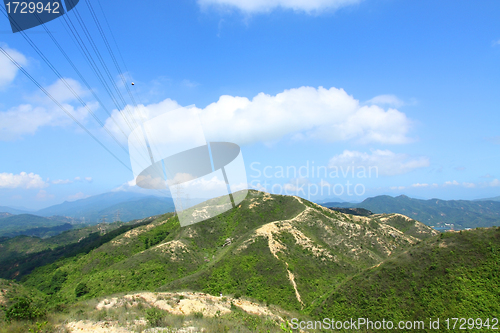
[194, 257]
[16, 223]
[21, 255]
[455, 275]
[129, 265]
[352, 243]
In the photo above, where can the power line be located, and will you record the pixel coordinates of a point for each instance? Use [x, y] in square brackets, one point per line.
[117, 65]
[52, 67]
[59, 105]
[97, 71]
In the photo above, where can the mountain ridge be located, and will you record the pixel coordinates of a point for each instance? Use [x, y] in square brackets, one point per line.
[434, 212]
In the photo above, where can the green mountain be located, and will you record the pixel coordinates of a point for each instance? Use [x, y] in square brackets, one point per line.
[265, 249]
[135, 209]
[456, 275]
[114, 206]
[13, 224]
[445, 214]
[13, 211]
[124, 206]
[490, 199]
[26, 247]
[79, 208]
[273, 258]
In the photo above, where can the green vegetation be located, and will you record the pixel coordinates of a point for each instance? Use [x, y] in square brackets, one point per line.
[20, 303]
[163, 256]
[276, 250]
[13, 225]
[461, 213]
[452, 275]
[17, 265]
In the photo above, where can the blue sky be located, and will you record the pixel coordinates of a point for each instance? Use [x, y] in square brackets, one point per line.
[410, 88]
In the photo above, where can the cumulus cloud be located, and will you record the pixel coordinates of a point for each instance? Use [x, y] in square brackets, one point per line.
[256, 6]
[69, 181]
[420, 185]
[23, 180]
[494, 183]
[391, 100]
[449, 183]
[28, 118]
[189, 84]
[304, 113]
[61, 181]
[387, 162]
[397, 187]
[77, 196]
[42, 195]
[297, 184]
[8, 70]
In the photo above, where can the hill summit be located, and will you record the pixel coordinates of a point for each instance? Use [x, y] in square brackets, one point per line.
[277, 249]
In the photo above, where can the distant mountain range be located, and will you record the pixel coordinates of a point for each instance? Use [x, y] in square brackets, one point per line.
[490, 199]
[15, 225]
[126, 206]
[445, 214]
[14, 211]
[108, 207]
[111, 206]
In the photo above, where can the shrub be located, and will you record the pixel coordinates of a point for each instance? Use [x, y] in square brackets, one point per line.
[23, 309]
[81, 289]
[155, 317]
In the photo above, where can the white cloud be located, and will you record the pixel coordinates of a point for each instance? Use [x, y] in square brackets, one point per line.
[391, 100]
[27, 118]
[296, 185]
[180, 178]
[468, 185]
[189, 84]
[303, 113]
[397, 187]
[255, 6]
[487, 176]
[494, 183]
[130, 186]
[420, 185]
[386, 162]
[449, 183]
[495, 42]
[42, 195]
[121, 120]
[8, 70]
[62, 181]
[77, 196]
[23, 180]
[68, 181]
